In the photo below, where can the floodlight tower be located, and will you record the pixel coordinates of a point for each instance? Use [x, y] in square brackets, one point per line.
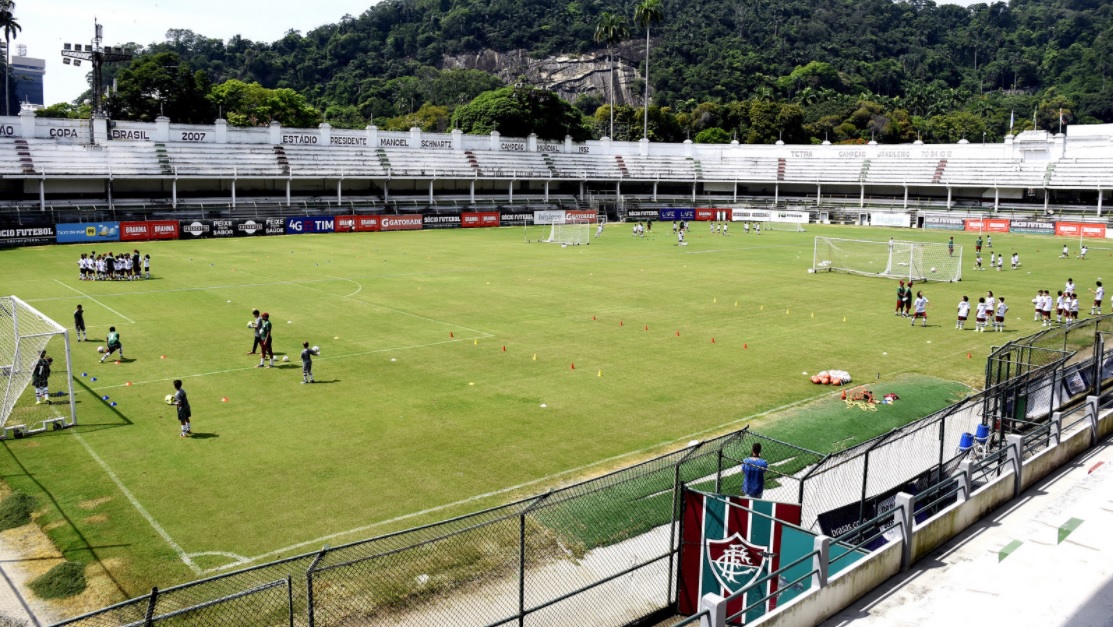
[98, 55]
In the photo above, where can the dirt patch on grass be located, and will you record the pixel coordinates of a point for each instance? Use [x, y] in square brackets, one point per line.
[94, 503]
[96, 519]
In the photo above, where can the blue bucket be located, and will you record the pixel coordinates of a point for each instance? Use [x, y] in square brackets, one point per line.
[966, 442]
[982, 434]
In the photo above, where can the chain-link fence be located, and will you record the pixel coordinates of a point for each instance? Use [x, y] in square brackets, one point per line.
[603, 552]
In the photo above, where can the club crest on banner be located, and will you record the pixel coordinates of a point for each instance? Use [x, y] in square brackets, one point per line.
[735, 562]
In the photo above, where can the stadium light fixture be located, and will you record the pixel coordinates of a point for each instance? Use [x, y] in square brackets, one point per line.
[98, 55]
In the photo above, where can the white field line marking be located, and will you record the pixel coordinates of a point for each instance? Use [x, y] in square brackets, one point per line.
[477, 497]
[95, 301]
[345, 355]
[139, 507]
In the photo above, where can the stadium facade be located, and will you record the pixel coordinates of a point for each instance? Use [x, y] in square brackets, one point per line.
[60, 165]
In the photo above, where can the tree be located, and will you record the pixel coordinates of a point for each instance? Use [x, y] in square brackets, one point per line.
[11, 29]
[611, 29]
[251, 104]
[648, 13]
[161, 84]
[713, 135]
[519, 111]
[65, 110]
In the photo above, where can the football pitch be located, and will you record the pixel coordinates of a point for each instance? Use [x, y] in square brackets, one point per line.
[459, 369]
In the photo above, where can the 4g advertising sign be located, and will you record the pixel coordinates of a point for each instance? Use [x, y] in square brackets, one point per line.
[301, 225]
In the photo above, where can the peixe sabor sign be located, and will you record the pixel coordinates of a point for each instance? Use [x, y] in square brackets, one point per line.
[411, 222]
[152, 229]
[479, 219]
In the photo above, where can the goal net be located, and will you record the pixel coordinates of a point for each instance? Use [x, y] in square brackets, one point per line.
[34, 398]
[563, 229]
[916, 261]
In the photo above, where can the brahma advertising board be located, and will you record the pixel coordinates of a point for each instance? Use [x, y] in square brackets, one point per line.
[357, 224]
[479, 219]
[148, 230]
[1080, 229]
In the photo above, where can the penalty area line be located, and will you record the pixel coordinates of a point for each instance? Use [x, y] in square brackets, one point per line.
[139, 507]
[95, 301]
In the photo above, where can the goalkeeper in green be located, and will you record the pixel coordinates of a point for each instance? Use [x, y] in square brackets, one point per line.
[113, 344]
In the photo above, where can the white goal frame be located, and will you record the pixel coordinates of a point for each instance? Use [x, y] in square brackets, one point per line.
[565, 230]
[895, 259]
[24, 332]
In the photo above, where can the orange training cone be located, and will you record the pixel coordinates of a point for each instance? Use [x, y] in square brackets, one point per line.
[620, 323]
[573, 366]
[224, 400]
[450, 334]
[745, 347]
[678, 333]
[504, 348]
[647, 327]
[712, 340]
[593, 317]
[128, 384]
[969, 356]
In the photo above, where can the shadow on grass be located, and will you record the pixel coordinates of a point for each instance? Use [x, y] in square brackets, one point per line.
[203, 436]
[97, 426]
[326, 382]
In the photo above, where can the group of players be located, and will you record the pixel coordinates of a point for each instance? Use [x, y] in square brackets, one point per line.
[113, 267]
[262, 330]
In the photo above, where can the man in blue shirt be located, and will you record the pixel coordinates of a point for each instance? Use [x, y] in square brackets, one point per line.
[753, 470]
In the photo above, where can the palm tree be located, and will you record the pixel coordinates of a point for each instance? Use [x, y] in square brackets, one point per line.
[11, 28]
[611, 30]
[648, 13]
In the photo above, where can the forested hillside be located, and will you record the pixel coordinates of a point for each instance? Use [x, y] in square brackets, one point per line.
[845, 70]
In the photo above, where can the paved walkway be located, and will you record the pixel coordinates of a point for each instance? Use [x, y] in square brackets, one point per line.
[1045, 559]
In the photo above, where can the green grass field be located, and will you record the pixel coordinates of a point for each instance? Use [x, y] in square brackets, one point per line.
[419, 413]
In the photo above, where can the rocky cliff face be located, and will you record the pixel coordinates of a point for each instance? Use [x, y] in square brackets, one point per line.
[567, 75]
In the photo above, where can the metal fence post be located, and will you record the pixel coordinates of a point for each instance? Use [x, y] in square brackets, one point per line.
[719, 472]
[309, 586]
[1015, 444]
[821, 562]
[1054, 434]
[149, 617]
[672, 531]
[716, 607]
[521, 569]
[290, 597]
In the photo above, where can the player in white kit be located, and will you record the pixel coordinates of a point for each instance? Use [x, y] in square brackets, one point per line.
[963, 313]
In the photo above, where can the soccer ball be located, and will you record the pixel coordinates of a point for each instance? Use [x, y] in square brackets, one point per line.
[285, 358]
[169, 399]
[100, 349]
[250, 324]
[316, 350]
[933, 270]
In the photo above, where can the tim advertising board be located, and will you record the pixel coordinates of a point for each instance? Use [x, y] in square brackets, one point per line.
[677, 214]
[195, 229]
[152, 229]
[435, 221]
[988, 225]
[19, 235]
[358, 224]
[77, 232]
[402, 223]
[301, 225]
[479, 219]
[1079, 229]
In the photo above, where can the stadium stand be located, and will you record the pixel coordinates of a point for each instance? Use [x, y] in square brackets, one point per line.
[901, 171]
[304, 160]
[216, 161]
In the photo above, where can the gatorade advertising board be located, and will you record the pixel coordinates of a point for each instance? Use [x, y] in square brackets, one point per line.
[413, 222]
[579, 216]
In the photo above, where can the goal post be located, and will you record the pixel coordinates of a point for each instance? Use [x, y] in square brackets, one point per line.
[897, 259]
[560, 228]
[29, 403]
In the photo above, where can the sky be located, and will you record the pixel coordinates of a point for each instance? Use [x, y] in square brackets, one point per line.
[48, 23]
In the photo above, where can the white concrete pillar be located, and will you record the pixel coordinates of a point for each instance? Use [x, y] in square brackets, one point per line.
[287, 192]
[372, 136]
[776, 193]
[1055, 434]
[903, 517]
[1046, 200]
[415, 137]
[430, 191]
[996, 198]
[233, 193]
[100, 130]
[472, 191]
[512, 191]
[654, 191]
[221, 133]
[906, 196]
[324, 130]
[862, 197]
[818, 194]
[27, 124]
[546, 191]
[821, 562]
[457, 140]
[162, 129]
[174, 193]
[716, 606]
[339, 192]
[42, 194]
[948, 197]
[567, 144]
[1100, 193]
[275, 133]
[531, 143]
[1015, 445]
[643, 146]
[965, 479]
[494, 140]
[735, 191]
